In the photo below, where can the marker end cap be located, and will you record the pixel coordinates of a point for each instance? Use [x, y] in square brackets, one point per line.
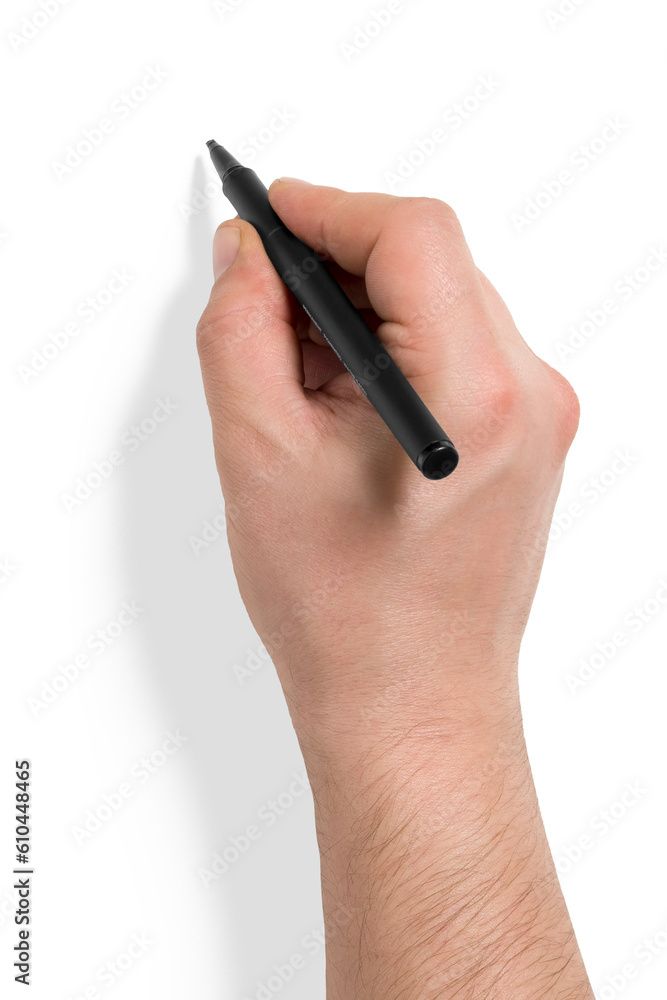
[438, 460]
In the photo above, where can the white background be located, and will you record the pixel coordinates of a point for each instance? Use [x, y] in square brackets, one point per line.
[355, 103]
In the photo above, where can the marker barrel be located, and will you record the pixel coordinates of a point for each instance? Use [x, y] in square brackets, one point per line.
[344, 329]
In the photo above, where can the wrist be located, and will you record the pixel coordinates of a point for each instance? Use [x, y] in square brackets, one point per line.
[442, 770]
[386, 715]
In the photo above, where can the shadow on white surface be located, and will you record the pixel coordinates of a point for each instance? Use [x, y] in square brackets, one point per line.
[242, 749]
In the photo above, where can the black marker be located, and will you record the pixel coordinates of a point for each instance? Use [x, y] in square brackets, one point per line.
[342, 326]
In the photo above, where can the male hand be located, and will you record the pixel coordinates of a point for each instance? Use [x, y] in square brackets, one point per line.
[393, 607]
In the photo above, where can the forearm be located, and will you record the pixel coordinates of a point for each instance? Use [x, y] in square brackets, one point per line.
[437, 877]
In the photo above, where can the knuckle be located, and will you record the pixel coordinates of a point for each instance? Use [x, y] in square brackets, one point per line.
[433, 212]
[504, 397]
[566, 407]
[521, 411]
[498, 410]
[328, 242]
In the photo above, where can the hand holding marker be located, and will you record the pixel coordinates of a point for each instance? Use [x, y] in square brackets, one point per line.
[342, 326]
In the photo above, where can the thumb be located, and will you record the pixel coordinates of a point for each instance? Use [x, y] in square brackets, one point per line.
[249, 351]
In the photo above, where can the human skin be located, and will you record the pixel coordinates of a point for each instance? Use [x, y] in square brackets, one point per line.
[393, 607]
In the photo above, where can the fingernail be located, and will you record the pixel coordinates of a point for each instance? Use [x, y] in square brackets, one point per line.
[226, 244]
[294, 180]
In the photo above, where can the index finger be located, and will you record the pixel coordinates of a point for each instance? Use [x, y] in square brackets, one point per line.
[419, 273]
